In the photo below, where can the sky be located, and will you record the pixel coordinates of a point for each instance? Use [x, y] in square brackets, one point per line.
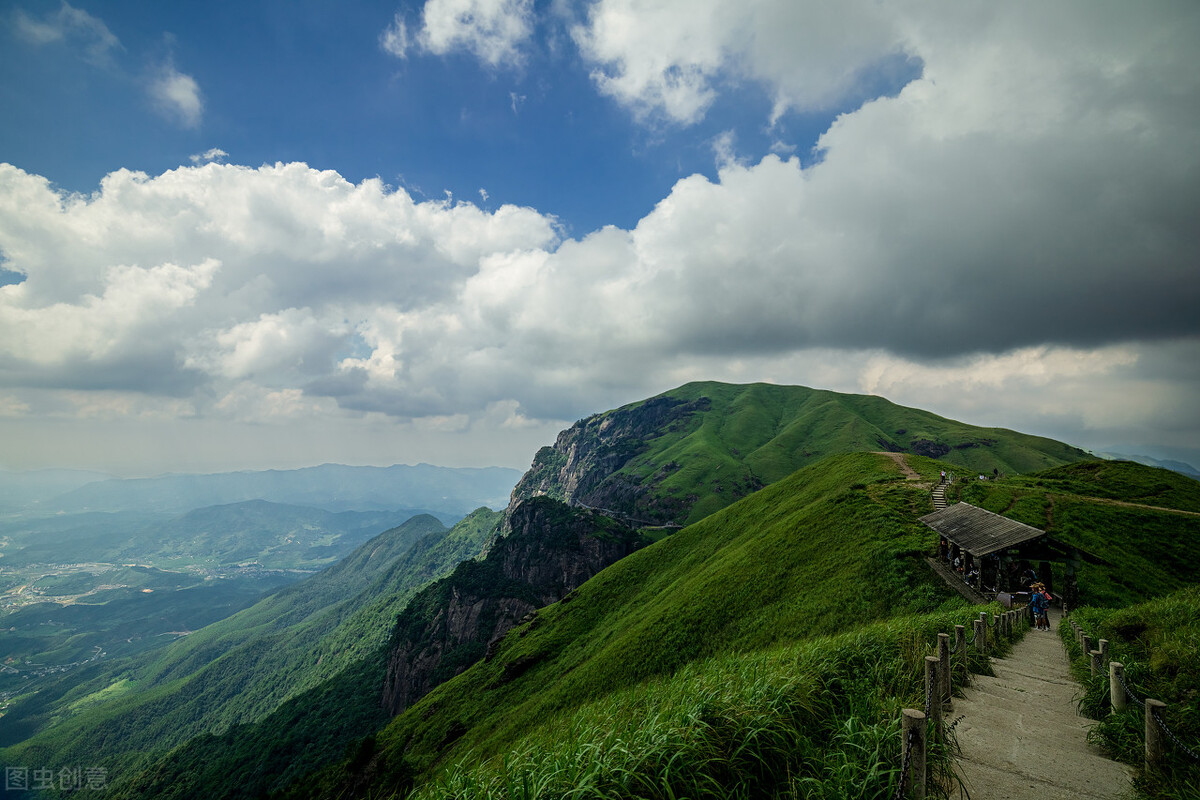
[250, 235]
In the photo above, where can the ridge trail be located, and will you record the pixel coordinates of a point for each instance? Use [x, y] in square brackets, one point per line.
[1021, 737]
[910, 474]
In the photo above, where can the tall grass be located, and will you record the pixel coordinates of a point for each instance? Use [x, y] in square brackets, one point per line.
[818, 719]
[1158, 642]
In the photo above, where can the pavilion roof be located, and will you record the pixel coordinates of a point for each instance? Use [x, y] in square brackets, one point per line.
[979, 531]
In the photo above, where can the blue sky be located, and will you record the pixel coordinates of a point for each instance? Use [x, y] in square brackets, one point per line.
[310, 82]
[249, 235]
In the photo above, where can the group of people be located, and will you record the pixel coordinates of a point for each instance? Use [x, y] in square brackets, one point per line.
[1039, 602]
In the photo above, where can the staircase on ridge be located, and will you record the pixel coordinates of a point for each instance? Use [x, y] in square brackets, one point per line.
[939, 496]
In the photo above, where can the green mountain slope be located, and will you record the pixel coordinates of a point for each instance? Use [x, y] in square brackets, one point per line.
[681, 455]
[830, 547]
[1144, 522]
[244, 667]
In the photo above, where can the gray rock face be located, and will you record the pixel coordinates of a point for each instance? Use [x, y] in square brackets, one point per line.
[550, 550]
[582, 466]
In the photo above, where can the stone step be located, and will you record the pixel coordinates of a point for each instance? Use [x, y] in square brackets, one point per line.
[1020, 734]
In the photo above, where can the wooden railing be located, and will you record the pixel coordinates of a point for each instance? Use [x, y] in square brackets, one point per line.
[1156, 731]
[918, 726]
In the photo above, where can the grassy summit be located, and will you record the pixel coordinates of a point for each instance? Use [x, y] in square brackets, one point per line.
[688, 452]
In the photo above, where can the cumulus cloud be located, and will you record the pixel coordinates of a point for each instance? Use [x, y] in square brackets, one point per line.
[177, 96]
[72, 26]
[673, 57]
[293, 271]
[494, 31]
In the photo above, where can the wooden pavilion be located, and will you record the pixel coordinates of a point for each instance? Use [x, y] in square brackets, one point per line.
[998, 555]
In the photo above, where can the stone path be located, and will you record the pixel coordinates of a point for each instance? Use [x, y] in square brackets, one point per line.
[1021, 736]
[939, 496]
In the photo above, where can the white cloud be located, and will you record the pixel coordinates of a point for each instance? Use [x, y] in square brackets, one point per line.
[672, 57]
[494, 31]
[250, 402]
[177, 96]
[212, 154]
[292, 267]
[11, 406]
[394, 39]
[73, 26]
[135, 305]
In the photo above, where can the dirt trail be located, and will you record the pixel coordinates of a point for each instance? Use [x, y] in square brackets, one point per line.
[902, 462]
[1021, 736]
[1125, 504]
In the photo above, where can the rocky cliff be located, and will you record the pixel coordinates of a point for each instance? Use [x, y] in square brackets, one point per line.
[549, 550]
[583, 467]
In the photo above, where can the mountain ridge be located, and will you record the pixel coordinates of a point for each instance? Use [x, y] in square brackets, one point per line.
[705, 444]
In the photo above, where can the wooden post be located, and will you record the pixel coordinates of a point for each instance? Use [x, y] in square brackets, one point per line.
[932, 690]
[980, 636]
[911, 719]
[1104, 650]
[960, 646]
[1154, 742]
[947, 690]
[1116, 692]
[1086, 644]
[1097, 666]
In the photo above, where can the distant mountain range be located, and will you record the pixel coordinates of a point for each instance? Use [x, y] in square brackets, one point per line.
[331, 487]
[269, 535]
[1181, 467]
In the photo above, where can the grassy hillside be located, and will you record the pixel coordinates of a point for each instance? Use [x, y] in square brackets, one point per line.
[830, 547]
[721, 442]
[774, 430]
[1158, 642]
[1143, 521]
[244, 667]
[811, 719]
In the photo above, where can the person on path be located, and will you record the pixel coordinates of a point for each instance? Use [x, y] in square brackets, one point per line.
[1039, 604]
